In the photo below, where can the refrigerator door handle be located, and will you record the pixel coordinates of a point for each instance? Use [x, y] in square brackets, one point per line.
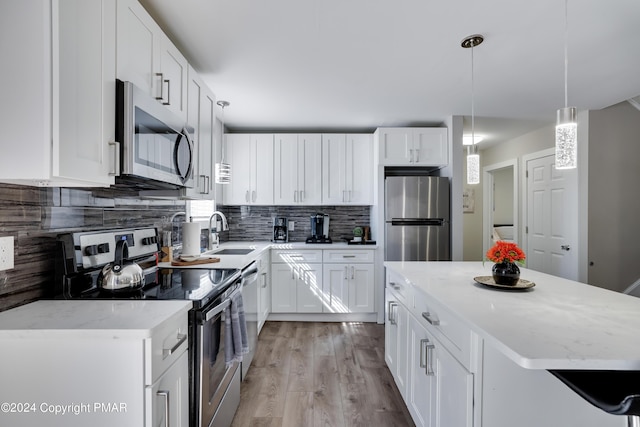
[417, 221]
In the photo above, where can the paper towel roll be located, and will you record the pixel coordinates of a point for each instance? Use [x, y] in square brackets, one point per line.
[191, 238]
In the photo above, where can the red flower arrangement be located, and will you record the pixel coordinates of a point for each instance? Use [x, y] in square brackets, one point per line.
[506, 252]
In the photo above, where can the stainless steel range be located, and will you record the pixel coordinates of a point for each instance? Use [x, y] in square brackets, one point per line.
[214, 389]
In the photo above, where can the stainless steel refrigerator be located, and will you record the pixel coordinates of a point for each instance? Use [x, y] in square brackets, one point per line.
[417, 226]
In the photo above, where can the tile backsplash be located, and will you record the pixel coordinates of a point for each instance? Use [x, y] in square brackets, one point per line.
[256, 222]
[35, 216]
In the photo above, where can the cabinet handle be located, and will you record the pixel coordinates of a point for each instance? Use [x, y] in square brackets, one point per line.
[208, 183]
[423, 344]
[301, 196]
[348, 256]
[417, 159]
[168, 93]
[165, 394]
[343, 195]
[161, 97]
[246, 196]
[293, 273]
[427, 317]
[349, 192]
[169, 351]
[391, 317]
[116, 158]
[254, 196]
[345, 272]
[264, 281]
[429, 362]
[395, 286]
[410, 155]
[203, 190]
[353, 276]
[295, 196]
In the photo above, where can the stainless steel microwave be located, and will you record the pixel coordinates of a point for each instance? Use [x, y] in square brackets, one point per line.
[156, 146]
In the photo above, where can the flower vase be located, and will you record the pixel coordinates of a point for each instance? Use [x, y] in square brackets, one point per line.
[506, 273]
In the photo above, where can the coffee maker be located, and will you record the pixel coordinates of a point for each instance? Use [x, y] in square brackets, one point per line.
[280, 230]
[319, 229]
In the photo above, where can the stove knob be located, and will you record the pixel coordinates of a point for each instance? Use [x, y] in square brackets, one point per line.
[149, 240]
[91, 250]
[103, 248]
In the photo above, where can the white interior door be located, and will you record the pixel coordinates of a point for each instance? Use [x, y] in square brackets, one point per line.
[552, 218]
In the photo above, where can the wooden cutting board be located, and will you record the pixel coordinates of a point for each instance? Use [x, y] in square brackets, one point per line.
[181, 263]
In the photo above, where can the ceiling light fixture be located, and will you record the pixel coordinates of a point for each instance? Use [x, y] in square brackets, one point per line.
[473, 158]
[223, 170]
[567, 125]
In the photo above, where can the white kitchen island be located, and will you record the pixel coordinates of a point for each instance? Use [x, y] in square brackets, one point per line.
[502, 343]
[99, 363]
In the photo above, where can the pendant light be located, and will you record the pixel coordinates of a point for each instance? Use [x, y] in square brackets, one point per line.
[567, 124]
[473, 158]
[223, 170]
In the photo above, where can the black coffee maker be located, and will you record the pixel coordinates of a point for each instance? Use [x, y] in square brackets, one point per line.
[280, 230]
[319, 229]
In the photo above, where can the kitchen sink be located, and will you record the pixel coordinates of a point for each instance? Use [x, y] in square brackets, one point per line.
[232, 251]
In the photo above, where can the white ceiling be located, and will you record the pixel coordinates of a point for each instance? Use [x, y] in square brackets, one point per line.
[355, 65]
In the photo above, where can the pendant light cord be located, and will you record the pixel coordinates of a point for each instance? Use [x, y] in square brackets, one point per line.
[473, 137]
[566, 55]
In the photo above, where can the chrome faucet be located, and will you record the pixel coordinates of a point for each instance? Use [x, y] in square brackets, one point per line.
[212, 235]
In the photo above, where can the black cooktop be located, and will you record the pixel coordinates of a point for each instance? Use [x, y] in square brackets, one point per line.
[198, 285]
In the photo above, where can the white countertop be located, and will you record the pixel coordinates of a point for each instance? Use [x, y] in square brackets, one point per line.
[81, 318]
[240, 261]
[558, 324]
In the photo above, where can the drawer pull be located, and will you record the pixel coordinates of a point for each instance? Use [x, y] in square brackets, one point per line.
[426, 362]
[427, 317]
[169, 351]
[165, 394]
[348, 256]
[391, 317]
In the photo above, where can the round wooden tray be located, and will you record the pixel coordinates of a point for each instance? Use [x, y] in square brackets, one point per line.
[489, 282]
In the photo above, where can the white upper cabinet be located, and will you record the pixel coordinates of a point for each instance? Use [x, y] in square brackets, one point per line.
[201, 118]
[251, 160]
[148, 59]
[413, 146]
[298, 169]
[347, 169]
[59, 125]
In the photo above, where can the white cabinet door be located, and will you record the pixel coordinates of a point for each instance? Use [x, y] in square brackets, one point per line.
[454, 393]
[395, 144]
[396, 341]
[173, 78]
[283, 288]
[309, 169]
[285, 166]
[147, 58]
[207, 144]
[413, 146]
[237, 151]
[170, 395]
[297, 169]
[359, 169]
[251, 160]
[264, 290]
[309, 288]
[262, 169]
[347, 169]
[138, 41]
[62, 121]
[430, 147]
[421, 389]
[336, 288]
[361, 288]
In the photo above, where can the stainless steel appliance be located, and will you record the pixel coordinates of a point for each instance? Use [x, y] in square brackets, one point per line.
[417, 226]
[319, 229]
[280, 230]
[214, 388]
[156, 151]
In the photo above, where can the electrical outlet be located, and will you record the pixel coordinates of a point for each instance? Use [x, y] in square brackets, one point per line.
[291, 225]
[6, 253]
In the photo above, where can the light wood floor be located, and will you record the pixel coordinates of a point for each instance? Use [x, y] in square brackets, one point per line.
[307, 374]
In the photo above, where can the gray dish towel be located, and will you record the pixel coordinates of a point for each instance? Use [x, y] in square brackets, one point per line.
[236, 342]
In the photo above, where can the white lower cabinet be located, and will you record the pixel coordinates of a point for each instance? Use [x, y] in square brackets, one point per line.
[437, 387]
[169, 396]
[264, 289]
[296, 281]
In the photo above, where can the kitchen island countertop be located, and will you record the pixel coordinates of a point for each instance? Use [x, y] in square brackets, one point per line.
[557, 324]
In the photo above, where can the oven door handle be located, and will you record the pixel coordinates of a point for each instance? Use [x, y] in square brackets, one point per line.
[221, 307]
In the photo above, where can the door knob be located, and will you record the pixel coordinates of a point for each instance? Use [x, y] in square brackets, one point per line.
[565, 247]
